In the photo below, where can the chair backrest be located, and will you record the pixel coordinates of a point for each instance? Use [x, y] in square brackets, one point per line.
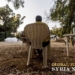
[37, 33]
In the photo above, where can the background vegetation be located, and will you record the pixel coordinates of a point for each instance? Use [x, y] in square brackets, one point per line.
[63, 11]
[9, 21]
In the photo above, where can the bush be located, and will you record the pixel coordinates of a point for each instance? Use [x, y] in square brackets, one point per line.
[2, 36]
[18, 36]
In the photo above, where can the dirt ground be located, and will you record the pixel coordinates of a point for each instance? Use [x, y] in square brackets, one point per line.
[13, 59]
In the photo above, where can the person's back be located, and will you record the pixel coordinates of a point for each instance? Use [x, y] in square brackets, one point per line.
[39, 21]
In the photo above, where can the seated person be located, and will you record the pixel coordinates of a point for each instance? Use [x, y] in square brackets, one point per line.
[46, 41]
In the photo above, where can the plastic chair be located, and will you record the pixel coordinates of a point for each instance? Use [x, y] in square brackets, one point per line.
[37, 33]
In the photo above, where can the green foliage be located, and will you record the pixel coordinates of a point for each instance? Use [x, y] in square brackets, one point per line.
[17, 3]
[56, 31]
[10, 21]
[64, 12]
[18, 36]
[2, 37]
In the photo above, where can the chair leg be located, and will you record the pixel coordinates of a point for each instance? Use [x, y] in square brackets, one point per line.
[45, 57]
[29, 52]
[49, 52]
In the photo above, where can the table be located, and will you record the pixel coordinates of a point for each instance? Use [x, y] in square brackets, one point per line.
[67, 45]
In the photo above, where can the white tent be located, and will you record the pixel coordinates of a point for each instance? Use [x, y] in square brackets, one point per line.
[11, 39]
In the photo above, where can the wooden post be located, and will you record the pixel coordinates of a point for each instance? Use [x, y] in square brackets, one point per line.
[67, 46]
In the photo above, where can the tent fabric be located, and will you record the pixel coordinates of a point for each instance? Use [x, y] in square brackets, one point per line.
[11, 39]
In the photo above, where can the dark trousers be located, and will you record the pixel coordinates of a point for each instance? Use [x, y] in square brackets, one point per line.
[44, 44]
